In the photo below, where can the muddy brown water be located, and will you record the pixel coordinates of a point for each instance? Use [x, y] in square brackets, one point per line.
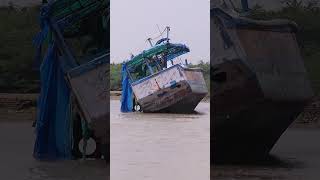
[17, 162]
[160, 146]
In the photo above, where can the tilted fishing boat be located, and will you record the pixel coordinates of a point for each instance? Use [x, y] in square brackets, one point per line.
[258, 82]
[73, 108]
[160, 87]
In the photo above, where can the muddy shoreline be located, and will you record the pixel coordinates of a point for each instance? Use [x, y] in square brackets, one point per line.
[26, 104]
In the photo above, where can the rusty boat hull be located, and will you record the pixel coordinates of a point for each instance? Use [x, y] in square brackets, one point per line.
[258, 82]
[173, 90]
[246, 123]
[177, 99]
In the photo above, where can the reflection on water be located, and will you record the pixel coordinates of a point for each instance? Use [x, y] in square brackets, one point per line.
[160, 146]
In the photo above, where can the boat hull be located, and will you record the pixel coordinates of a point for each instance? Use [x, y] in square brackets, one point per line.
[177, 99]
[251, 134]
[176, 90]
[247, 121]
[258, 82]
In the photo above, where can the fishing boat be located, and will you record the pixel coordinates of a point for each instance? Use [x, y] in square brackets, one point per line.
[259, 83]
[159, 85]
[73, 110]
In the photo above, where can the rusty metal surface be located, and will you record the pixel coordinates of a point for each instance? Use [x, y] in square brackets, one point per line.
[165, 78]
[276, 60]
[170, 87]
[167, 99]
[91, 90]
[259, 87]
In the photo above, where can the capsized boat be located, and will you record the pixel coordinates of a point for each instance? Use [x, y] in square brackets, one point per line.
[258, 81]
[158, 84]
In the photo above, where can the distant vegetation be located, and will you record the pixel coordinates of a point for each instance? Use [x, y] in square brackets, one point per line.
[205, 66]
[115, 79]
[17, 29]
[307, 16]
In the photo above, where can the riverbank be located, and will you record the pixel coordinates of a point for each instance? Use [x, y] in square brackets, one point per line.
[20, 3]
[26, 104]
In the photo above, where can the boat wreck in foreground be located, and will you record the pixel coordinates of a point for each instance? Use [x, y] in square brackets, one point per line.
[258, 82]
[158, 87]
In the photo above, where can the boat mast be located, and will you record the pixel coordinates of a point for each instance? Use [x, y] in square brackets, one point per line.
[245, 5]
[150, 42]
[168, 30]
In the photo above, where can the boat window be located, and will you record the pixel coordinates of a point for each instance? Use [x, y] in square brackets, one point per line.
[147, 68]
[162, 61]
[154, 65]
[139, 72]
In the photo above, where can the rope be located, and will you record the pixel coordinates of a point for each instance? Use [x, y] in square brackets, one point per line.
[159, 35]
[85, 136]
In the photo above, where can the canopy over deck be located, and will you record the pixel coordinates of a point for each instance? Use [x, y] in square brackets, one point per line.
[233, 20]
[168, 50]
[70, 12]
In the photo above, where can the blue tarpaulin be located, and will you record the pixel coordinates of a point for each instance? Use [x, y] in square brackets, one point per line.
[126, 95]
[53, 130]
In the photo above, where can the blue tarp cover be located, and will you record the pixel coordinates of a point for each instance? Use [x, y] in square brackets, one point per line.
[53, 129]
[126, 95]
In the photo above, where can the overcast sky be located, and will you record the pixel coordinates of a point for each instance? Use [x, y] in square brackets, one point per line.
[132, 22]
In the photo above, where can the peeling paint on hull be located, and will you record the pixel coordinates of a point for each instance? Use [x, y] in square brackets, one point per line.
[175, 90]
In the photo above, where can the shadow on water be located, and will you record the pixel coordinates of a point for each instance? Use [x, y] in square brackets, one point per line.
[268, 168]
[269, 161]
[194, 112]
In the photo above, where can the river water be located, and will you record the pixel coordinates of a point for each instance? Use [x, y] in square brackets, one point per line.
[160, 146]
[296, 156]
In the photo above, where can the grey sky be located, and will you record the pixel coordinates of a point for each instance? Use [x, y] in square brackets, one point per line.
[133, 21]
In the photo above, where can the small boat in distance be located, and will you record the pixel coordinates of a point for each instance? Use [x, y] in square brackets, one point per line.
[160, 86]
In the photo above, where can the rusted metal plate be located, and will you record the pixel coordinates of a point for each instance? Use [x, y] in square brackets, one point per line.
[90, 85]
[275, 58]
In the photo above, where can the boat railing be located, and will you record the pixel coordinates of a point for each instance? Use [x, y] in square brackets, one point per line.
[163, 71]
[155, 74]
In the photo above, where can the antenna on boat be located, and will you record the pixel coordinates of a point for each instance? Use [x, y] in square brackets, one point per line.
[159, 31]
[168, 30]
[150, 42]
